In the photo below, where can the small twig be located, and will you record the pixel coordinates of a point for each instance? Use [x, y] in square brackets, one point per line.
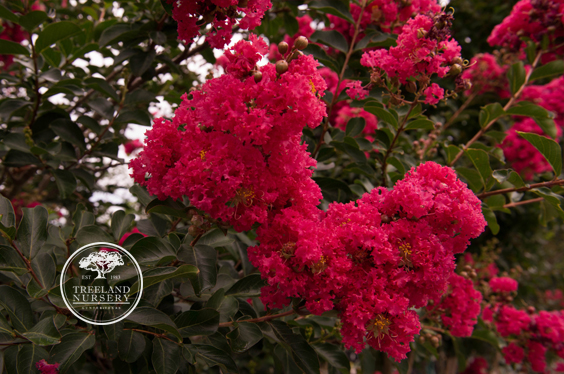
[557, 182]
[524, 202]
[432, 328]
[459, 110]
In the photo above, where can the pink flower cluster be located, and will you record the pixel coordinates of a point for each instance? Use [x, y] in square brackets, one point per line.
[372, 260]
[459, 307]
[222, 14]
[486, 75]
[423, 48]
[234, 147]
[45, 368]
[523, 157]
[384, 14]
[503, 284]
[531, 19]
[531, 334]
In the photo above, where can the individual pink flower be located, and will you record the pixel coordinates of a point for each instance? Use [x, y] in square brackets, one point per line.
[513, 353]
[132, 146]
[433, 94]
[537, 356]
[503, 284]
[355, 90]
[46, 368]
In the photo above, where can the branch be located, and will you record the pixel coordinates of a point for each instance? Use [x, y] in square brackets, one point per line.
[524, 202]
[162, 336]
[514, 97]
[341, 75]
[260, 319]
[557, 182]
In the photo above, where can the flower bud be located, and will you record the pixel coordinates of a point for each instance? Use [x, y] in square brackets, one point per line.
[440, 24]
[421, 33]
[258, 76]
[197, 220]
[455, 69]
[193, 231]
[386, 218]
[301, 43]
[283, 47]
[464, 274]
[421, 339]
[281, 67]
[458, 60]
[435, 341]
[411, 87]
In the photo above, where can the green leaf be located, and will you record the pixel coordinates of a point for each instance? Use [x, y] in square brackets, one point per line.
[165, 356]
[69, 131]
[55, 32]
[421, 124]
[248, 286]
[138, 116]
[496, 202]
[204, 258]
[131, 345]
[244, 336]
[382, 114]
[7, 107]
[32, 19]
[481, 162]
[5, 327]
[7, 211]
[17, 307]
[350, 147]
[490, 219]
[8, 47]
[160, 274]
[44, 333]
[355, 126]
[487, 336]
[198, 322]
[66, 182]
[540, 115]
[114, 330]
[168, 206]
[510, 176]
[213, 356]
[142, 61]
[490, 113]
[28, 355]
[114, 33]
[304, 355]
[32, 232]
[330, 186]
[333, 355]
[11, 261]
[155, 318]
[334, 7]
[374, 38]
[473, 178]
[548, 70]
[92, 234]
[45, 269]
[332, 38]
[552, 198]
[121, 223]
[152, 251]
[70, 349]
[8, 14]
[548, 148]
[516, 76]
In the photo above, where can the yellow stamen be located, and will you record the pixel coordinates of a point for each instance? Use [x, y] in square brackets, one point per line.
[312, 86]
[319, 266]
[203, 155]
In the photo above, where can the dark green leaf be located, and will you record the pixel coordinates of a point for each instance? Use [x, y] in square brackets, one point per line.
[516, 75]
[420, 124]
[332, 38]
[7, 211]
[304, 355]
[142, 61]
[152, 251]
[481, 162]
[66, 182]
[32, 232]
[131, 345]
[355, 126]
[382, 114]
[168, 206]
[28, 355]
[32, 19]
[45, 269]
[71, 348]
[249, 286]
[44, 333]
[213, 356]
[155, 318]
[547, 147]
[548, 70]
[11, 261]
[165, 356]
[204, 258]
[8, 47]
[334, 7]
[7, 107]
[491, 220]
[244, 336]
[8, 14]
[121, 223]
[510, 176]
[198, 322]
[69, 131]
[486, 336]
[55, 32]
[333, 355]
[92, 234]
[157, 275]
[17, 307]
[490, 113]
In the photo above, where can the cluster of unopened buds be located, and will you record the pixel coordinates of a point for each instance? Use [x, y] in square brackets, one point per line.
[427, 147]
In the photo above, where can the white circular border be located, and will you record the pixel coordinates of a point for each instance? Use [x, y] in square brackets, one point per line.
[82, 249]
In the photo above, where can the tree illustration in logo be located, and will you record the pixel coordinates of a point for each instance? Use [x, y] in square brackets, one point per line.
[103, 262]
